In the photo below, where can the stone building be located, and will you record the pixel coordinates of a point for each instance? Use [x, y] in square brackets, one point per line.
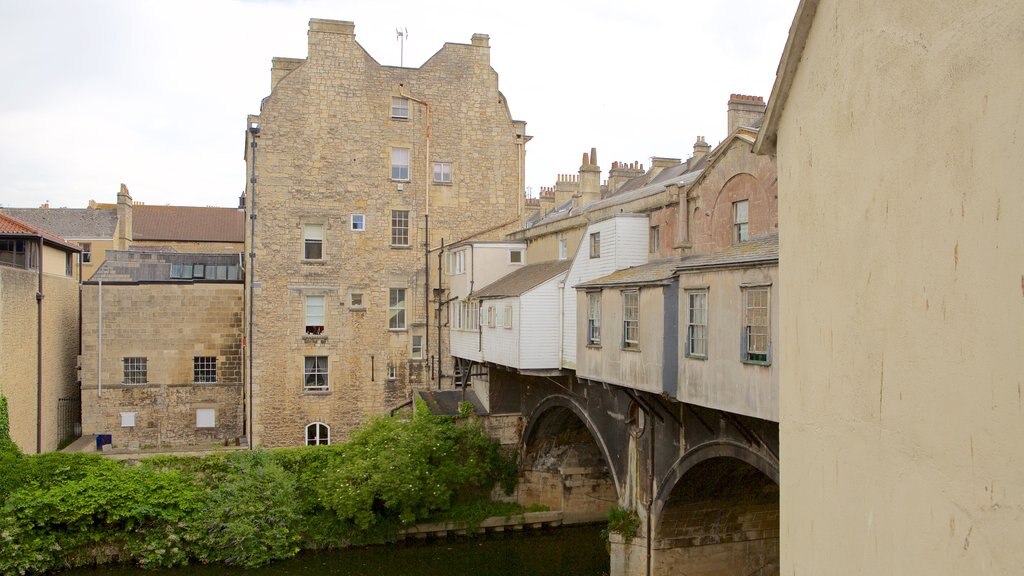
[897, 128]
[356, 174]
[39, 336]
[162, 349]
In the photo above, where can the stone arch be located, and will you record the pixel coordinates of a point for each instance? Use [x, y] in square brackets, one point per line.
[566, 460]
[762, 212]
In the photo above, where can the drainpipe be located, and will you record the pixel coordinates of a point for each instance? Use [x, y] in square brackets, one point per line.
[440, 262]
[39, 352]
[650, 489]
[253, 131]
[99, 346]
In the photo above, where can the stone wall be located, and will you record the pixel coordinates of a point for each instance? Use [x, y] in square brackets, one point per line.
[169, 325]
[324, 153]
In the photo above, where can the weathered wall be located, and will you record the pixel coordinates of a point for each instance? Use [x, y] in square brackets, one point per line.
[207, 247]
[168, 324]
[901, 254]
[324, 153]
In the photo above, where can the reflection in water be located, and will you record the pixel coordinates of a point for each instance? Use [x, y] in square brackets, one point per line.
[576, 551]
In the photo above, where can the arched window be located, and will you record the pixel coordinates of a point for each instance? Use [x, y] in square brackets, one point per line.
[318, 434]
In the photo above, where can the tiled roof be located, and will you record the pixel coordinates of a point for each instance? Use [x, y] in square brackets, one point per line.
[139, 266]
[656, 271]
[187, 224]
[763, 248]
[10, 226]
[523, 280]
[72, 223]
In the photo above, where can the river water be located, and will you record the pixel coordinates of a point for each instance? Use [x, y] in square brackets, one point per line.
[571, 551]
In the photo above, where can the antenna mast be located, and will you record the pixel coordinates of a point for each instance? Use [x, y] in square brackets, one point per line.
[401, 34]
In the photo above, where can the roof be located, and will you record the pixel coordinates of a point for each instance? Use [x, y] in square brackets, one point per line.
[523, 280]
[764, 248]
[656, 271]
[132, 266]
[72, 223]
[187, 223]
[10, 226]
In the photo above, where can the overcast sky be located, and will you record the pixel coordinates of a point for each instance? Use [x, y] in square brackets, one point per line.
[155, 93]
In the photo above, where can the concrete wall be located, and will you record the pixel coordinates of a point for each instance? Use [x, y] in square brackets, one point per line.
[903, 313]
[324, 153]
[168, 324]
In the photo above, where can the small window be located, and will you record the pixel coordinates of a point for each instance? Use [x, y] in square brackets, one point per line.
[563, 248]
[392, 372]
[399, 163]
[595, 245]
[69, 266]
[86, 252]
[204, 369]
[457, 262]
[654, 239]
[396, 309]
[314, 315]
[697, 324]
[181, 271]
[198, 271]
[127, 419]
[417, 347]
[318, 434]
[474, 315]
[442, 172]
[399, 227]
[135, 370]
[356, 300]
[740, 221]
[358, 222]
[631, 319]
[506, 319]
[515, 256]
[313, 239]
[594, 318]
[491, 313]
[399, 108]
[206, 418]
[756, 333]
[315, 374]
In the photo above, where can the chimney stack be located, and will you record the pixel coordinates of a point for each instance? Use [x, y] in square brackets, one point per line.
[622, 172]
[700, 150]
[124, 219]
[744, 110]
[589, 188]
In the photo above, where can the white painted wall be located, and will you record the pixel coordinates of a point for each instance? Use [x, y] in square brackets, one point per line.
[541, 319]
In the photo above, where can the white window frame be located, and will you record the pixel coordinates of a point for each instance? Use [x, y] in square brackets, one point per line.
[491, 314]
[313, 327]
[312, 240]
[506, 317]
[400, 163]
[741, 221]
[358, 223]
[318, 437]
[86, 252]
[654, 239]
[206, 417]
[356, 300]
[128, 419]
[316, 375]
[563, 248]
[392, 371]
[416, 352]
[516, 256]
[397, 308]
[399, 108]
[400, 228]
[135, 369]
[441, 172]
[594, 318]
[457, 262]
[631, 319]
[697, 324]
[756, 336]
[204, 369]
[595, 244]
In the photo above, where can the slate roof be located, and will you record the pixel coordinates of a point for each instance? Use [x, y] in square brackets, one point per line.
[523, 280]
[764, 248]
[132, 266]
[71, 223]
[187, 224]
[654, 272]
[11, 226]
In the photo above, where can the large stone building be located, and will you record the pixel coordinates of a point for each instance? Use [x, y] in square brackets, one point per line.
[897, 129]
[39, 298]
[357, 172]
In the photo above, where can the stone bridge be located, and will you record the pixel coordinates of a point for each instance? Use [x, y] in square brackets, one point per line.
[703, 483]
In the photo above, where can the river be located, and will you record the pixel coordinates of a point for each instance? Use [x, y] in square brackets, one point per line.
[570, 551]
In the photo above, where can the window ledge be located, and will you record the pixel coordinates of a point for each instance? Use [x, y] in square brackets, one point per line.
[434, 183]
[696, 357]
[401, 247]
[401, 180]
[633, 349]
[357, 308]
[594, 345]
[398, 329]
[316, 392]
[314, 338]
[319, 262]
[757, 362]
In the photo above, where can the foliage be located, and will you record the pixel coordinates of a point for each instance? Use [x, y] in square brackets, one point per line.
[622, 521]
[6, 444]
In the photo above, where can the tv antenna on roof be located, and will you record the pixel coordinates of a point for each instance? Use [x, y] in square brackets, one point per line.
[401, 34]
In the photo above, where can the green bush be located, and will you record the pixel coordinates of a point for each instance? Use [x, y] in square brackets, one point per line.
[6, 444]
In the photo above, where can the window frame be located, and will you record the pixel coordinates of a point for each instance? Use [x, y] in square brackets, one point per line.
[135, 371]
[595, 244]
[396, 108]
[400, 228]
[204, 369]
[353, 305]
[401, 172]
[740, 228]
[308, 242]
[763, 355]
[86, 252]
[319, 370]
[315, 329]
[318, 439]
[416, 347]
[631, 321]
[361, 219]
[392, 373]
[213, 418]
[563, 249]
[506, 316]
[522, 256]
[397, 309]
[445, 171]
[696, 327]
[654, 239]
[593, 318]
[457, 262]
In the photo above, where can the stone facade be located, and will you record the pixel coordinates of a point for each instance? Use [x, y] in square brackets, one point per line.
[326, 138]
[169, 325]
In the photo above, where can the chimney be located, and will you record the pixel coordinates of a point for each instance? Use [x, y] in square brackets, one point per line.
[659, 164]
[531, 209]
[622, 172]
[547, 199]
[590, 179]
[744, 111]
[565, 188]
[241, 201]
[124, 219]
[700, 150]
[329, 41]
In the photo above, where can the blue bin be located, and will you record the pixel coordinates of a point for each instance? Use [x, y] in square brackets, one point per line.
[102, 440]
